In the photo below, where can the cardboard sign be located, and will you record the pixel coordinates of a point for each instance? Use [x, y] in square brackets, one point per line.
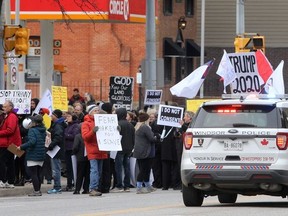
[13, 148]
[170, 116]
[153, 97]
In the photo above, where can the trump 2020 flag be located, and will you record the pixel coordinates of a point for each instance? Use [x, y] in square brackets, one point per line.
[275, 83]
[226, 71]
[190, 85]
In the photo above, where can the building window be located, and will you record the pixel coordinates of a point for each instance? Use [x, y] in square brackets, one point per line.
[189, 8]
[167, 70]
[167, 7]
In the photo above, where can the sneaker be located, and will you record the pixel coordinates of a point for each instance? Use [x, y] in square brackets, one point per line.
[151, 189]
[2, 185]
[142, 191]
[95, 193]
[54, 191]
[127, 189]
[7, 185]
[35, 193]
[117, 190]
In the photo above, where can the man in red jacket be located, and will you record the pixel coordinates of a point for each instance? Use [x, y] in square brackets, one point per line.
[9, 133]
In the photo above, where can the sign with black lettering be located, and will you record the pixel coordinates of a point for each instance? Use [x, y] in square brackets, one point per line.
[170, 115]
[20, 98]
[108, 137]
[248, 79]
[121, 92]
[153, 97]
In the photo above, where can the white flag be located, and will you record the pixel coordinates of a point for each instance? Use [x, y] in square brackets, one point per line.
[275, 83]
[226, 70]
[190, 85]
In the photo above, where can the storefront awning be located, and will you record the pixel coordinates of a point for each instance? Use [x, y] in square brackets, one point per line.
[172, 49]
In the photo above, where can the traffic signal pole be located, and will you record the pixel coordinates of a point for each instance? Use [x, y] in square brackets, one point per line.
[240, 17]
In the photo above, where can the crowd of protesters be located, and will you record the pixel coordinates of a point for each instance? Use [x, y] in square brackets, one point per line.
[74, 133]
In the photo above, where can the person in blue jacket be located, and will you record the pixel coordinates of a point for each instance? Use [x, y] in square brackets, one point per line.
[35, 151]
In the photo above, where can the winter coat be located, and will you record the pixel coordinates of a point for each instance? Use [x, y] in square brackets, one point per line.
[90, 140]
[127, 131]
[79, 148]
[9, 131]
[35, 146]
[71, 131]
[144, 143]
[57, 136]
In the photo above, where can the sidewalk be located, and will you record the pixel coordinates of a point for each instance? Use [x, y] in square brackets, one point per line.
[27, 189]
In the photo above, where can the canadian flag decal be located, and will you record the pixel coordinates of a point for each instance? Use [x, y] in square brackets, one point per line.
[264, 142]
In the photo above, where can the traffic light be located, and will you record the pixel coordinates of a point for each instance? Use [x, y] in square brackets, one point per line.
[241, 44]
[9, 37]
[22, 41]
[259, 43]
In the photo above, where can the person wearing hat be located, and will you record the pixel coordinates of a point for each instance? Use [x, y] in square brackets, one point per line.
[144, 151]
[95, 156]
[35, 151]
[57, 139]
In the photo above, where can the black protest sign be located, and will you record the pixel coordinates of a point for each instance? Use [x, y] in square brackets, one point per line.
[153, 97]
[170, 115]
[121, 92]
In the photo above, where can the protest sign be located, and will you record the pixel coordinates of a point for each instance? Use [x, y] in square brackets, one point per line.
[248, 78]
[121, 92]
[20, 98]
[170, 116]
[45, 102]
[153, 97]
[108, 136]
[60, 98]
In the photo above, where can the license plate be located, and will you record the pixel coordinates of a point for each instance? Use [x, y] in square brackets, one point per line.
[233, 146]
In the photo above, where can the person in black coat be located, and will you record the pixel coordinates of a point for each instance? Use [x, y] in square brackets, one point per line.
[122, 160]
[35, 152]
[83, 165]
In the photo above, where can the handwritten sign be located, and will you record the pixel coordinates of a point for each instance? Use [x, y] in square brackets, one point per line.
[20, 98]
[170, 116]
[153, 97]
[108, 136]
[60, 98]
[248, 78]
[121, 92]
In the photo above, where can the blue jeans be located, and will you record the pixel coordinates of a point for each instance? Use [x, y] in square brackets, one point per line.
[56, 172]
[122, 160]
[95, 173]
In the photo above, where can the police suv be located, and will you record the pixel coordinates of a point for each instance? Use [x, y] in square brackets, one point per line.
[236, 146]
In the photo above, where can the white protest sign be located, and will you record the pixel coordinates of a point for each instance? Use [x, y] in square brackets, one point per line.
[45, 102]
[108, 136]
[20, 98]
[153, 97]
[170, 116]
[248, 78]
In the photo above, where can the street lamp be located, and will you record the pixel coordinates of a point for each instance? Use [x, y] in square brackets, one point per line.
[181, 26]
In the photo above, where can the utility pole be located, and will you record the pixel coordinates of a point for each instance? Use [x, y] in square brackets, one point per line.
[240, 17]
[150, 63]
[202, 42]
[2, 11]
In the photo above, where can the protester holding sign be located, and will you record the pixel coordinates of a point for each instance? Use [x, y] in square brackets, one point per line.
[95, 156]
[122, 160]
[9, 133]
